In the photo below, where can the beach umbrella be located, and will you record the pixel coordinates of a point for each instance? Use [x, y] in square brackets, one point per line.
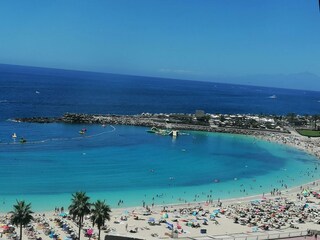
[178, 226]
[170, 226]
[165, 215]
[63, 214]
[90, 231]
[305, 193]
[212, 216]
[5, 227]
[214, 213]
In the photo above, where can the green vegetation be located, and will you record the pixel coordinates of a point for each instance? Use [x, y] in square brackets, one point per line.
[21, 215]
[79, 207]
[100, 213]
[309, 133]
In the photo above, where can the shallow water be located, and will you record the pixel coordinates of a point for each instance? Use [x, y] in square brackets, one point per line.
[127, 163]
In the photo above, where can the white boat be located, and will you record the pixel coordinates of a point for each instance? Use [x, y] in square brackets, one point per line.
[14, 135]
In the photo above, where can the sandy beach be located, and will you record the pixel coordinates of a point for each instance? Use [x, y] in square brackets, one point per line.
[294, 139]
[282, 211]
[163, 119]
[191, 219]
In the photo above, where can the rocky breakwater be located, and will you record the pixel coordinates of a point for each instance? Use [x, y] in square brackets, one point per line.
[140, 120]
[39, 120]
[79, 118]
[136, 120]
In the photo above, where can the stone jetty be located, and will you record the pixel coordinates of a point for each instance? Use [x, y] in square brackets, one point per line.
[168, 121]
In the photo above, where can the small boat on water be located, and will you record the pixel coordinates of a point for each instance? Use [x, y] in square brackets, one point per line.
[159, 131]
[14, 135]
[163, 132]
[152, 130]
[22, 140]
[83, 131]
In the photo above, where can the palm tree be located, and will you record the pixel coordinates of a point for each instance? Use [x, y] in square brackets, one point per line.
[79, 207]
[291, 117]
[100, 213]
[21, 215]
[315, 118]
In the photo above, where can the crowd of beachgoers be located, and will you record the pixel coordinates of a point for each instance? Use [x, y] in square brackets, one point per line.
[293, 139]
[293, 210]
[296, 209]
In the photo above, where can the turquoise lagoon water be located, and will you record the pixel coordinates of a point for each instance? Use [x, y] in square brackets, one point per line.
[127, 163]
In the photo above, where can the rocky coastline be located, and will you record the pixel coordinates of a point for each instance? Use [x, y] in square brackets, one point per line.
[286, 135]
[144, 120]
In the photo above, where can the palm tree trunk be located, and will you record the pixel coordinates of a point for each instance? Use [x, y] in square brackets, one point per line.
[21, 231]
[80, 221]
[99, 233]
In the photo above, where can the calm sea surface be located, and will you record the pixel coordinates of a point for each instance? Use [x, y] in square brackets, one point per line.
[122, 162]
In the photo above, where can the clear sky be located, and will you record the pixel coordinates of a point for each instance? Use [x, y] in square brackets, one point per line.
[193, 39]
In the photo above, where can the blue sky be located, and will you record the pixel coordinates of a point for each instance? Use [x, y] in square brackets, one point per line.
[191, 39]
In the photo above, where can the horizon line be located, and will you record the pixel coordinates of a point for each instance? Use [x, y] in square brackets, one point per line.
[178, 79]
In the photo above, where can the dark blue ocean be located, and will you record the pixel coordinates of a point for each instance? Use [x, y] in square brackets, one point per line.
[27, 92]
[125, 162]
